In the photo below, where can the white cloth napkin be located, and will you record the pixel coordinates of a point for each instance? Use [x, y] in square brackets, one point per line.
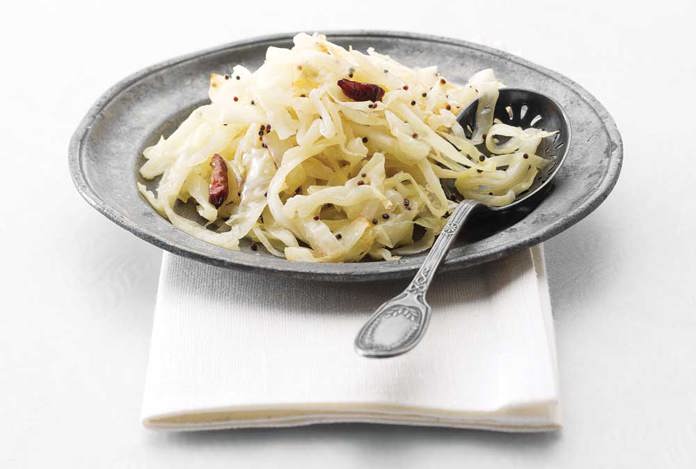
[233, 349]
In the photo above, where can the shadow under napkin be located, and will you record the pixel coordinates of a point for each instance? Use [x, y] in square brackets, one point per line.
[365, 441]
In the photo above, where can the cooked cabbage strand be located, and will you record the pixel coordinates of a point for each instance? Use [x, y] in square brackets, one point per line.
[316, 176]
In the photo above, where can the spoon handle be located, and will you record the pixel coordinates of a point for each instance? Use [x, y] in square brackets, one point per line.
[400, 323]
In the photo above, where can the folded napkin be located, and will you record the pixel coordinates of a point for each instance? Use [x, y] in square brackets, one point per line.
[233, 349]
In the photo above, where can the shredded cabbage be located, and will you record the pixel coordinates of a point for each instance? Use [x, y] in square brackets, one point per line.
[316, 176]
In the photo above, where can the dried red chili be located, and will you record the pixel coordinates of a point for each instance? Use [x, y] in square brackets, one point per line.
[358, 91]
[219, 188]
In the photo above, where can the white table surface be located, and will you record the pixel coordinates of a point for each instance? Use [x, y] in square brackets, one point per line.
[77, 292]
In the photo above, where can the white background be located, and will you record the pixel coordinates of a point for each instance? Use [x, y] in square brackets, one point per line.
[77, 292]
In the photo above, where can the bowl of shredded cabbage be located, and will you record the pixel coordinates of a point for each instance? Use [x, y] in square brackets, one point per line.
[322, 155]
[328, 154]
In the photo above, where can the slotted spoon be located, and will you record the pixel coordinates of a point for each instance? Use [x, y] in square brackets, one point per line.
[399, 324]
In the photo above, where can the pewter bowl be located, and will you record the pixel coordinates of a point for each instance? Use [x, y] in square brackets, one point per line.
[106, 149]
